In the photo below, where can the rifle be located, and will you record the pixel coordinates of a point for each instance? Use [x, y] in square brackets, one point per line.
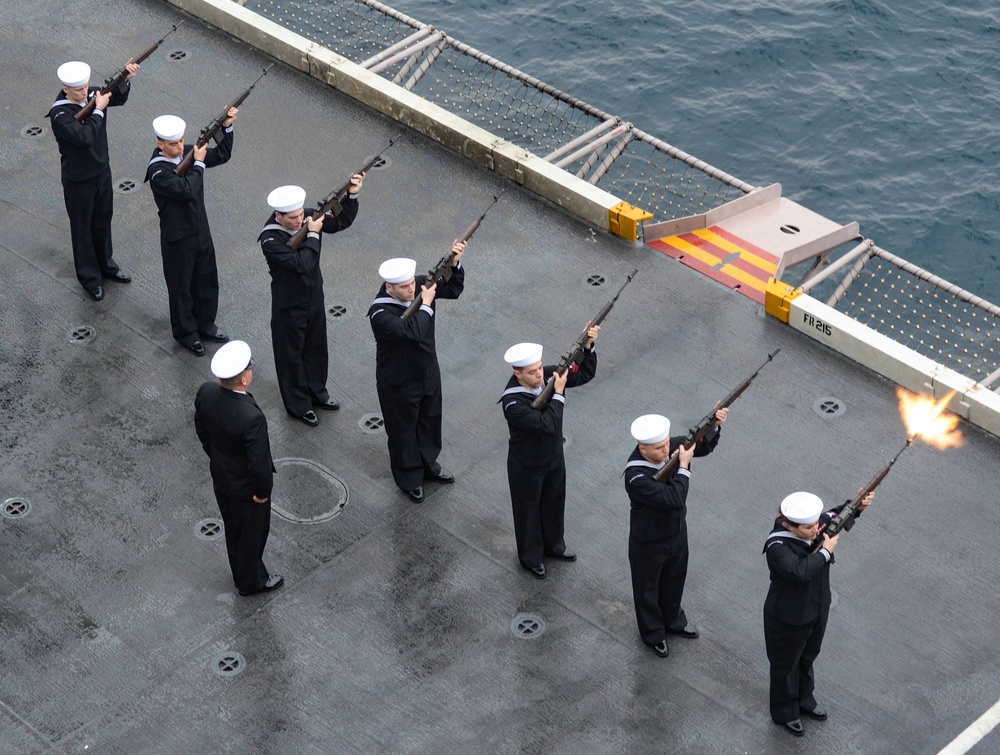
[443, 268]
[845, 519]
[213, 128]
[335, 197]
[117, 79]
[703, 428]
[543, 398]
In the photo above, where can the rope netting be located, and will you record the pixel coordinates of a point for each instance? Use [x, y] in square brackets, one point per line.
[508, 103]
[956, 330]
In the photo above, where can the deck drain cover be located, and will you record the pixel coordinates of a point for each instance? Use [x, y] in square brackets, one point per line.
[381, 164]
[209, 529]
[32, 132]
[228, 663]
[594, 280]
[81, 333]
[829, 407]
[371, 423]
[567, 441]
[15, 508]
[126, 186]
[527, 626]
[306, 492]
[178, 55]
[337, 310]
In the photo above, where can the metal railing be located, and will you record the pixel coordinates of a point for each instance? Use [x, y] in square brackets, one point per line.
[888, 294]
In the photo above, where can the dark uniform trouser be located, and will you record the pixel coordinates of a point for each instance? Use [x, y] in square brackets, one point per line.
[247, 526]
[301, 360]
[90, 205]
[538, 500]
[659, 569]
[192, 280]
[791, 650]
[412, 416]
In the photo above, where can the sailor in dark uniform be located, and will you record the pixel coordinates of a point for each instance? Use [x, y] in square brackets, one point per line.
[799, 555]
[189, 267]
[233, 431]
[298, 314]
[536, 468]
[86, 173]
[406, 369]
[657, 541]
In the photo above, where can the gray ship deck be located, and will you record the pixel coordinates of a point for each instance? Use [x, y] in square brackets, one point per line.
[392, 633]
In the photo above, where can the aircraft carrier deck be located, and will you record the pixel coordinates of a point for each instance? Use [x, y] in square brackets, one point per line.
[393, 632]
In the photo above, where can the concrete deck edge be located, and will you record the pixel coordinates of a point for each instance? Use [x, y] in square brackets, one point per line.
[554, 184]
[899, 363]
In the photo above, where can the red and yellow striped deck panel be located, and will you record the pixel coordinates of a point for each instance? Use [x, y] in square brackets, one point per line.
[711, 251]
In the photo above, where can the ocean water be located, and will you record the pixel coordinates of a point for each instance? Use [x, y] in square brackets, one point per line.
[884, 113]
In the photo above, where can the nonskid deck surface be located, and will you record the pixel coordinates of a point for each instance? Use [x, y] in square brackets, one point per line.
[393, 632]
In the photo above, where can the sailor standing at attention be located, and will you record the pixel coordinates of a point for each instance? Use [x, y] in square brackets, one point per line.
[657, 540]
[86, 173]
[186, 246]
[536, 467]
[797, 607]
[407, 375]
[298, 314]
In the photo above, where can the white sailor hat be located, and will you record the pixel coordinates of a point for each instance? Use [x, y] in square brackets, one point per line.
[802, 507]
[287, 199]
[397, 270]
[231, 360]
[169, 128]
[74, 73]
[650, 428]
[523, 354]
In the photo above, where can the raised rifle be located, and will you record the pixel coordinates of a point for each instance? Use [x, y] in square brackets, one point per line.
[118, 78]
[543, 398]
[845, 519]
[443, 268]
[332, 201]
[213, 128]
[703, 428]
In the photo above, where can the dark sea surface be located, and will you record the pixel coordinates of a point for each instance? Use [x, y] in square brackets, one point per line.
[884, 113]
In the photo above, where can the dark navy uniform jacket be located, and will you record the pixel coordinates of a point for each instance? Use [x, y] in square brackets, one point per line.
[296, 277]
[83, 147]
[405, 349]
[180, 201]
[536, 437]
[658, 509]
[800, 579]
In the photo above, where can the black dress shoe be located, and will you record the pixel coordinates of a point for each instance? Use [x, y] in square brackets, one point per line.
[417, 494]
[566, 555]
[310, 418]
[538, 572]
[795, 727]
[95, 293]
[443, 476]
[217, 337]
[816, 714]
[688, 632]
[330, 405]
[273, 583]
[661, 649]
[119, 277]
[197, 348]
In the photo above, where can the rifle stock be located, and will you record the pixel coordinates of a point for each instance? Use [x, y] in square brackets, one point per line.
[216, 126]
[333, 199]
[118, 78]
[543, 398]
[443, 267]
[845, 519]
[707, 424]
